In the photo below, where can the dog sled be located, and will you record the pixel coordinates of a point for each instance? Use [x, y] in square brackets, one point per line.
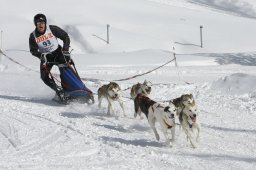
[72, 86]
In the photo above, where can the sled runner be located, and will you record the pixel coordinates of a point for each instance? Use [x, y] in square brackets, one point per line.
[74, 89]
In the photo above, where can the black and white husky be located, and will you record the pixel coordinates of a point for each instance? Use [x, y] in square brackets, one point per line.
[111, 92]
[165, 116]
[144, 88]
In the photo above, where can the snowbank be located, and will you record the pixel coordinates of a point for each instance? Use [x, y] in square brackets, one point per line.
[238, 83]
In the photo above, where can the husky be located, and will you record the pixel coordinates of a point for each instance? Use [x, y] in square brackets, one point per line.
[144, 88]
[155, 112]
[111, 92]
[189, 123]
[182, 101]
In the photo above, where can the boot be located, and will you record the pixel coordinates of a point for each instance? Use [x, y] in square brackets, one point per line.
[61, 94]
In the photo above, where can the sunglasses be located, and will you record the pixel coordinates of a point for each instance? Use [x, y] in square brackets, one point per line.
[40, 23]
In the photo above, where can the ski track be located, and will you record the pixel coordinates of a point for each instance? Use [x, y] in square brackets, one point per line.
[50, 120]
[9, 132]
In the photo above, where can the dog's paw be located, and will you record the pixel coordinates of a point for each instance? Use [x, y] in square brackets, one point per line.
[194, 146]
[135, 115]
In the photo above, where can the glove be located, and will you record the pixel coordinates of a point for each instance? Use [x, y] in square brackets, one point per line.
[66, 53]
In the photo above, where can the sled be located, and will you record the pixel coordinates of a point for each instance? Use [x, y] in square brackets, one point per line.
[74, 88]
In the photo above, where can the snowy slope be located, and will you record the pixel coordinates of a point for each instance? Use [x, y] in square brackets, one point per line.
[36, 133]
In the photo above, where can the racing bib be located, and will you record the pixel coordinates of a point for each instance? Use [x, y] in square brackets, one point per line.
[48, 42]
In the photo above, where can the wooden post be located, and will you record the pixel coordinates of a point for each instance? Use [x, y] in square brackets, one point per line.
[201, 35]
[108, 33]
[174, 56]
[1, 39]
[1, 47]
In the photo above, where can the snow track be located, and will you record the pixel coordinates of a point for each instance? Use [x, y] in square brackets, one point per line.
[9, 133]
[75, 132]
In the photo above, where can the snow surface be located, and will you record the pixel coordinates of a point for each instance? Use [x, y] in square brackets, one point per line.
[37, 133]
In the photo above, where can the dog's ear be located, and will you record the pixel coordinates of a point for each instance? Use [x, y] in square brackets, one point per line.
[166, 109]
[108, 85]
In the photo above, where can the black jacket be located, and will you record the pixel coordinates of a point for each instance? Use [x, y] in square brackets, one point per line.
[57, 32]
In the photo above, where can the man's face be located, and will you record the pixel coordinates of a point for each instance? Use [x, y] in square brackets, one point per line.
[40, 26]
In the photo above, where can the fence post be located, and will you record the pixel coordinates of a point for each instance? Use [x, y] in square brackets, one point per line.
[201, 35]
[1, 39]
[108, 33]
[1, 46]
[174, 56]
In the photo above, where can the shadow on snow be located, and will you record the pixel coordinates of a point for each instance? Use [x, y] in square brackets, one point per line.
[72, 115]
[231, 7]
[221, 157]
[246, 59]
[31, 100]
[230, 129]
[112, 127]
[136, 142]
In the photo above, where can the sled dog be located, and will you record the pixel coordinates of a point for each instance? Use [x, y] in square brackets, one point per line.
[144, 88]
[189, 123]
[165, 116]
[111, 92]
[182, 101]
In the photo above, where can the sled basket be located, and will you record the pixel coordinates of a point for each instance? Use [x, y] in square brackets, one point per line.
[74, 88]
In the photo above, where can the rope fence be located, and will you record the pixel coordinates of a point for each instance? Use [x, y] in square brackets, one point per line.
[99, 80]
[16, 62]
[94, 79]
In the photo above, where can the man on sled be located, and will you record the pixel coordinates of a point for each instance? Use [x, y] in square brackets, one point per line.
[44, 45]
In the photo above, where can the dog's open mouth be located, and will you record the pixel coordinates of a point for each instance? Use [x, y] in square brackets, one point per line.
[193, 119]
[114, 97]
[148, 90]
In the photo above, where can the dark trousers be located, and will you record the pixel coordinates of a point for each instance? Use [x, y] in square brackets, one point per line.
[55, 59]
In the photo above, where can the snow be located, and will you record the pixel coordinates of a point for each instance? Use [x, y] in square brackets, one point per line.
[37, 133]
[238, 83]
